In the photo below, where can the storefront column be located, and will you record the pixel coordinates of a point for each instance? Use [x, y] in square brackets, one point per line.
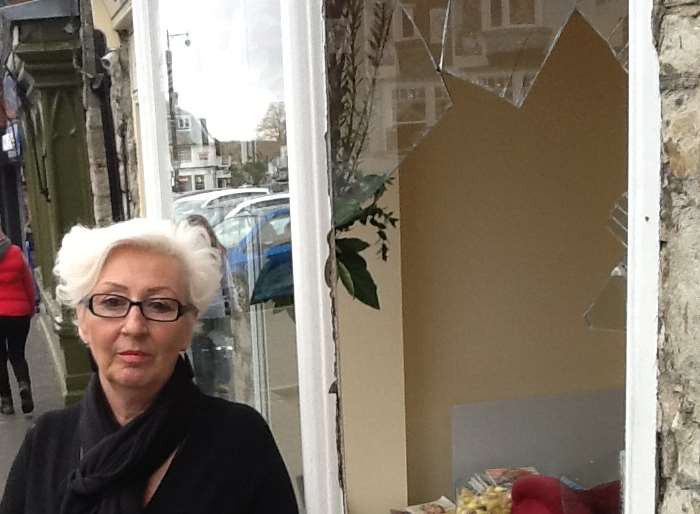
[55, 160]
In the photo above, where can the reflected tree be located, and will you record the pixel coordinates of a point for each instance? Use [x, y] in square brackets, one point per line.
[273, 126]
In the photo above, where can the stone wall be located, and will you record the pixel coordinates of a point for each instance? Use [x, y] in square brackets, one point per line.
[117, 63]
[677, 25]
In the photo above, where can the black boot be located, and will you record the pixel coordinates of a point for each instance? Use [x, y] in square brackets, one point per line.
[25, 393]
[6, 406]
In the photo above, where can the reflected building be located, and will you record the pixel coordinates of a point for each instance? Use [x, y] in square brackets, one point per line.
[197, 160]
[499, 45]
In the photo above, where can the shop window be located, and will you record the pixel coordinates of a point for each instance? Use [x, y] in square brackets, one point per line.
[199, 182]
[183, 154]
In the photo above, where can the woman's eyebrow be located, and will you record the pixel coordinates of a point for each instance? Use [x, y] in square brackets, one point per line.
[159, 289]
[113, 285]
[121, 287]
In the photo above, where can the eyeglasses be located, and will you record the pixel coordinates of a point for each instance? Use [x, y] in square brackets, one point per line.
[154, 309]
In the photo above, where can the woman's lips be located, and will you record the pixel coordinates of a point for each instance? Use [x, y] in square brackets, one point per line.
[133, 357]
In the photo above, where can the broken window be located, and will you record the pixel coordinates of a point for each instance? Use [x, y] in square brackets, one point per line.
[470, 242]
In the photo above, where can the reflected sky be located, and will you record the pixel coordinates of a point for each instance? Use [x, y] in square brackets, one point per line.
[232, 68]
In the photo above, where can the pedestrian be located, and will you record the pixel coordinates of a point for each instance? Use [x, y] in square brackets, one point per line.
[144, 438]
[16, 310]
[211, 376]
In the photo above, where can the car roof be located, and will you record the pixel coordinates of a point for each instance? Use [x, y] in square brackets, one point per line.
[208, 196]
[258, 200]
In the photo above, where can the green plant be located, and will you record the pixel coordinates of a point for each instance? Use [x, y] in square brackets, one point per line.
[353, 70]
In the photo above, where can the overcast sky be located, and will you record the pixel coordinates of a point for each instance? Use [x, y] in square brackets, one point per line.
[232, 69]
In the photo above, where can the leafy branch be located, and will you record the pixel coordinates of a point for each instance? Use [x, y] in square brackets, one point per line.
[353, 66]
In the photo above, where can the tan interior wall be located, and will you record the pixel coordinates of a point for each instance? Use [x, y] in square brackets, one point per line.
[372, 383]
[504, 245]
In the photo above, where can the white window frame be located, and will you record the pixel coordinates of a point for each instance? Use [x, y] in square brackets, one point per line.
[303, 45]
[153, 116]
[644, 186]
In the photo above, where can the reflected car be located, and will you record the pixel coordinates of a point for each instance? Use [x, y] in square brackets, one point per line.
[215, 204]
[257, 239]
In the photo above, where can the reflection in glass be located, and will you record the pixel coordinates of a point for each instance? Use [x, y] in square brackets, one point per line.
[610, 19]
[608, 310]
[384, 95]
[501, 45]
[221, 79]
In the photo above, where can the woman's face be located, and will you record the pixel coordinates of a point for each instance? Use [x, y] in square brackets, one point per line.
[134, 352]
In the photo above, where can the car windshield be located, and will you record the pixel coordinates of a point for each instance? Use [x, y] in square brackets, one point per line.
[186, 206]
[231, 231]
[271, 224]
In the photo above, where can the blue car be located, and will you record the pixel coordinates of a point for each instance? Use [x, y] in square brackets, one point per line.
[259, 250]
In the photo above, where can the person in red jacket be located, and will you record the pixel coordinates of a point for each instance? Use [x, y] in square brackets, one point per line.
[16, 310]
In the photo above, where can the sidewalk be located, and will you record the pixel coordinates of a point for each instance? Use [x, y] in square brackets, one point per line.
[47, 396]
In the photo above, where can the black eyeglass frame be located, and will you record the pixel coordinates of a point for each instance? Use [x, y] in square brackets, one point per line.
[182, 309]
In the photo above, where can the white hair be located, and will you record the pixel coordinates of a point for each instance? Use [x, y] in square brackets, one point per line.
[84, 251]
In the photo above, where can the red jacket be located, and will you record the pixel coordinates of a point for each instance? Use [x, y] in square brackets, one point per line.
[16, 284]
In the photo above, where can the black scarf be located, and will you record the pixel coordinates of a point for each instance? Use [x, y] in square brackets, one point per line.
[118, 460]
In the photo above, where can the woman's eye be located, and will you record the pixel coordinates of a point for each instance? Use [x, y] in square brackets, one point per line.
[112, 302]
[161, 305]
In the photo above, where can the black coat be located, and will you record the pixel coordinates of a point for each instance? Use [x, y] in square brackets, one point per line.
[229, 463]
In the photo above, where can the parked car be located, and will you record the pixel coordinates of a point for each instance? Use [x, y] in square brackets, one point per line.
[257, 237]
[214, 204]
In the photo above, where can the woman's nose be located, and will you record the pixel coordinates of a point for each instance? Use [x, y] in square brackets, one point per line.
[135, 321]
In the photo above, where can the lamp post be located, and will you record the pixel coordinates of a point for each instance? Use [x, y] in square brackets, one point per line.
[171, 106]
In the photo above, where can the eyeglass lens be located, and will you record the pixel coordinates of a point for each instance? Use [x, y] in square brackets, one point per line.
[117, 306]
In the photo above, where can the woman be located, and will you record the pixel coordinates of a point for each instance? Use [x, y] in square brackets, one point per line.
[16, 310]
[144, 438]
[211, 376]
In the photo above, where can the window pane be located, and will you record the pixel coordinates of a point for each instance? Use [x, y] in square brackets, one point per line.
[223, 86]
[522, 12]
[496, 13]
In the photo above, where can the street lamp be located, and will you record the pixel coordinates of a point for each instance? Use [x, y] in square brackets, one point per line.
[171, 105]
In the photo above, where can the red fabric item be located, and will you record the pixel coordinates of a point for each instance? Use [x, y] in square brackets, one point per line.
[16, 284]
[538, 494]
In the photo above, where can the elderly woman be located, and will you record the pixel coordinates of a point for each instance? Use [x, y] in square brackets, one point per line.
[144, 438]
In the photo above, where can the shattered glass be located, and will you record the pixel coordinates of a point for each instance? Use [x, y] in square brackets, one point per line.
[610, 19]
[501, 45]
[608, 309]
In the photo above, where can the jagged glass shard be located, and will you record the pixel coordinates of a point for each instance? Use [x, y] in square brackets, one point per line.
[608, 310]
[610, 19]
[429, 18]
[384, 96]
[617, 223]
[501, 45]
